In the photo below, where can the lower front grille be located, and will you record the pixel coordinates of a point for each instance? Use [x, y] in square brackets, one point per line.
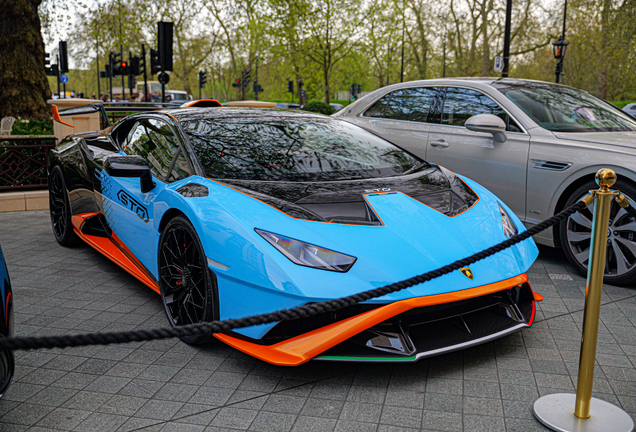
[432, 330]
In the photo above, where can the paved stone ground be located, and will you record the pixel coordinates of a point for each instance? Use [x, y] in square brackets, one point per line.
[170, 386]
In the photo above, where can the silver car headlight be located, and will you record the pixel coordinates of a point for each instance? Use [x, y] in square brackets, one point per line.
[308, 255]
[508, 225]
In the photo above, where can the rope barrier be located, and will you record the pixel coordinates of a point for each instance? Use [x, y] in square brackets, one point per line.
[308, 310]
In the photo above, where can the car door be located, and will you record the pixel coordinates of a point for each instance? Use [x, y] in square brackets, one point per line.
[500, 167]
[128, 211]
[403, 117]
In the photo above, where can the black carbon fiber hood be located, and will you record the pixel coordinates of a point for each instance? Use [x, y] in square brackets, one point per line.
[343, 201]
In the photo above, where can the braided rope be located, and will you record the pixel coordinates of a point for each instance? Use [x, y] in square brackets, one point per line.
[65, 341]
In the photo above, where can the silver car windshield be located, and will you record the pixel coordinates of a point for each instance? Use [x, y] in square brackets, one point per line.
[564, 109]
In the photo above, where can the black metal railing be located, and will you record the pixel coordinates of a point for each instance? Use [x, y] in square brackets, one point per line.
[23, 165]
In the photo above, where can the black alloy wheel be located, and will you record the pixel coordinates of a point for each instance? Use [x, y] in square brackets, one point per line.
[60, 210]
[576, 233]
[186, 284]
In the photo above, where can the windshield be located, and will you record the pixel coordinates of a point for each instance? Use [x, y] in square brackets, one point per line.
[179, 96]
[564, 109]
[293, 149]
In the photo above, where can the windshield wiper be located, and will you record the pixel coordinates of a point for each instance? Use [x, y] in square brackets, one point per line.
[358, 177]
[415, 168]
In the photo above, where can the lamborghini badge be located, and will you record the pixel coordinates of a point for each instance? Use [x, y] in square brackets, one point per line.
[467, 272]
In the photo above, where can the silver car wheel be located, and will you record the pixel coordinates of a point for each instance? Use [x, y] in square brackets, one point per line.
[621, 241]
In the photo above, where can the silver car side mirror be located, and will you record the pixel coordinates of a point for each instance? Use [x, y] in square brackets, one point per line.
[488, 123]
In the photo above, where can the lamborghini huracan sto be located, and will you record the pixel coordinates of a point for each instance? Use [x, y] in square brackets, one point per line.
[232, 212]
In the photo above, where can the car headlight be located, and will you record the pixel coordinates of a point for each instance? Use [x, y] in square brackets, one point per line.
[508, 225]
[308, 255]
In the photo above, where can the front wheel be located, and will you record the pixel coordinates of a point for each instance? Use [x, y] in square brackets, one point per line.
[576, 233]
[184, 279]
[60, 210]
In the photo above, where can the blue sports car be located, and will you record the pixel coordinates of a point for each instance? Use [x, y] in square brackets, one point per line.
[7, 361]
[231, 212]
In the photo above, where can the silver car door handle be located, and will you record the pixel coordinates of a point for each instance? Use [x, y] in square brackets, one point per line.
[440, 143]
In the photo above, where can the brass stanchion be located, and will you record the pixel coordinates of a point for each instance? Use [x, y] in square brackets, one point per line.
[566, 412]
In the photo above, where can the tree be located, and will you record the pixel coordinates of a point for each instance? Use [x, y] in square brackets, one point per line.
[24, 88]
[332, 28]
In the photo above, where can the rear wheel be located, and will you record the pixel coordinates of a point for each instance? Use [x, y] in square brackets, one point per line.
[186, 284]
[576, 232]
[60, 210]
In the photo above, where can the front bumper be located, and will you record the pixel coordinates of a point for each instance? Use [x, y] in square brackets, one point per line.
[405, 330]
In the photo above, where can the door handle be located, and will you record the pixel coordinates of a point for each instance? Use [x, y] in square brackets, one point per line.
[440, 143]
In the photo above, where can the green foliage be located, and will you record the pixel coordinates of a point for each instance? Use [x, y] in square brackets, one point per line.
[623, 103]
[32, 127]
[319, 107]
[330, 44]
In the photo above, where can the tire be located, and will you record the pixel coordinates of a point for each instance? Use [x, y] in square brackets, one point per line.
[60, 210]
[575, 234]
[186, 284]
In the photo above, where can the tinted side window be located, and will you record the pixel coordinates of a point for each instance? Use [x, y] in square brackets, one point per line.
[378, 108]
[413, 104]
[461, 104]
[155, 141]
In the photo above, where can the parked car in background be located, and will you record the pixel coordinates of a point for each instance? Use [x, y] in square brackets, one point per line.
[177, 96]
[536, 145]
[337, 106]
[630, 109]
[285, 105]
[7, 361]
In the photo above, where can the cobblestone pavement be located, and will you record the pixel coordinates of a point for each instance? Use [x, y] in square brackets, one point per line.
[170, 386]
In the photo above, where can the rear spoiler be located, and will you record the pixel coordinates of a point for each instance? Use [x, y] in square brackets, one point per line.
[202, 103]
[84, 109]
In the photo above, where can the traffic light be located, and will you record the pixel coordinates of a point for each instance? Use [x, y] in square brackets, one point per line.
[203, 79]
[155, 63]
[246, 77]
[256, 87]
[114, 61]
[290, 86]
[135, 66]
[237, 83]
[165, 45]
[352, 91]
[358, 89]
[105, 73]
[63, 62]
[49, 69]
[120, 67]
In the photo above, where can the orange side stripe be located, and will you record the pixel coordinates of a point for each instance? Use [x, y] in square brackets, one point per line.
[303, 348]
[113, 252]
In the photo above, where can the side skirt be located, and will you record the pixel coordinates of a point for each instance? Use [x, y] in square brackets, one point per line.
[115, 250]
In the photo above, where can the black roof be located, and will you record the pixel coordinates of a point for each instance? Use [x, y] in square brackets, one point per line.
[186, 114]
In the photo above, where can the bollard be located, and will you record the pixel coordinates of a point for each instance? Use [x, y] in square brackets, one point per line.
[566, 412]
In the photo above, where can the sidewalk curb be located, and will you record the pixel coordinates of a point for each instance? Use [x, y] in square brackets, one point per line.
[24, 201]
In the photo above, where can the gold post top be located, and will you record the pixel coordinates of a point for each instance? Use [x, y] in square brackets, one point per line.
[605, 178]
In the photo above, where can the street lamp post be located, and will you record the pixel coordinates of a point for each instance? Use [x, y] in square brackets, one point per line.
[559, 48]
[559, 53]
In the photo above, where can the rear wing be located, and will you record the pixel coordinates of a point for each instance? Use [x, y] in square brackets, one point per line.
[117, 108]
[84, 109]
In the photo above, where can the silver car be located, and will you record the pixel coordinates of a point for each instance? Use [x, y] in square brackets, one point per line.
[536, 145]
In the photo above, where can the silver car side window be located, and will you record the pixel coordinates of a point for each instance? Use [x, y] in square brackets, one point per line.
[410, 104]
[460, 104]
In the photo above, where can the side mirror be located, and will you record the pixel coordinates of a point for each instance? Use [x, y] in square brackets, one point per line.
[130, 166]
[488, 123]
